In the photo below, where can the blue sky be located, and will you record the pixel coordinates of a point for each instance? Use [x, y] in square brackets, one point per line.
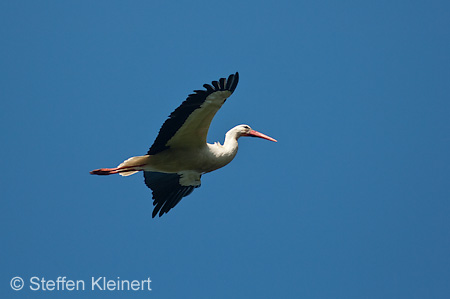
[352, 202]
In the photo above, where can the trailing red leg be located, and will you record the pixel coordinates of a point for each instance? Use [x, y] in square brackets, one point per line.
[104, 171]
[126, 168]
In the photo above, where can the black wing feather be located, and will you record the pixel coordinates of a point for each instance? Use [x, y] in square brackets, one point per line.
[208, 87]
[193, 102]
[167, 191]
[216, 85]
[222, 83]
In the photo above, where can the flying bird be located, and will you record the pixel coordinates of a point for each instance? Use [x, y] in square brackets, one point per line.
[180, 154]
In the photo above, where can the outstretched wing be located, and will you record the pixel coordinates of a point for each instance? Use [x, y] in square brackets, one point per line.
[169, 188]
[188, 125]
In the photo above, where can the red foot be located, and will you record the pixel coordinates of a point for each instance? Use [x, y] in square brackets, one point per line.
[104, 171]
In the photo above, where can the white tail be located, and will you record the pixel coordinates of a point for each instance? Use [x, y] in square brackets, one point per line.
[135, 162]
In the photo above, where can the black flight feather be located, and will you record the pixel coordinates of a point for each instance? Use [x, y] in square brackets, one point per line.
[167, 191]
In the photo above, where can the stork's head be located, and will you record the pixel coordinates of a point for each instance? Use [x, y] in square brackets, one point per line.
[245, 130]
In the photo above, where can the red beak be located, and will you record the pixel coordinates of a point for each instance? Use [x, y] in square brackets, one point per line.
[254, 133]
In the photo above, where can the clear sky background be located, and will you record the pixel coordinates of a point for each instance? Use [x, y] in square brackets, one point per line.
[352, 202]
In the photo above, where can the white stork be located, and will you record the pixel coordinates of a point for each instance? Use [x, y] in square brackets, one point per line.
[180, 155]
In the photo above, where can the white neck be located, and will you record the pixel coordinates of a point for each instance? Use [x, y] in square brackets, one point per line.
[221, 155]
[230, 143]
